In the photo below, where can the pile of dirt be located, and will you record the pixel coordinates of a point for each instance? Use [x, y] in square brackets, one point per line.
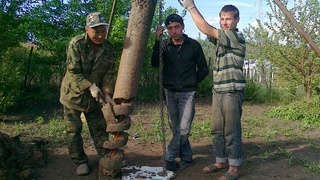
[20, 160]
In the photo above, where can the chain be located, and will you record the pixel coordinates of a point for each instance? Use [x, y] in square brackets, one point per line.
[161, 86]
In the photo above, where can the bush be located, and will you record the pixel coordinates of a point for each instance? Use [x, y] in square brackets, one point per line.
[251, 91]
[25, 78]
[303, 111]
[205, 87]
[13, 66]
[255, 92]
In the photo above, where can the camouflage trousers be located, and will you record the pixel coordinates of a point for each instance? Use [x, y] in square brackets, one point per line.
[97, 128]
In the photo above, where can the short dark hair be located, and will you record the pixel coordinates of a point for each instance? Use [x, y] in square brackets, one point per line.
[231, 8]
[173, 18]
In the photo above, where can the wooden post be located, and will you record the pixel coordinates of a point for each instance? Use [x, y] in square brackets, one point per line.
[111, 18]
[296, 25]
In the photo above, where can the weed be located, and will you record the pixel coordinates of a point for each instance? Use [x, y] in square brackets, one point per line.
[269, 134]
[248, 134]
[39, 120]
[258, 122]
[3, 125]
[292, 159]
[314, 168]
[200, 129]
[289, 132]
[303, 111]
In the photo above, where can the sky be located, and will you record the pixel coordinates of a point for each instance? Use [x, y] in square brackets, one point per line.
[250, 10]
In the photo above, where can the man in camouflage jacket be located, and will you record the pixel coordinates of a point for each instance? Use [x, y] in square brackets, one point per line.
[89, 80]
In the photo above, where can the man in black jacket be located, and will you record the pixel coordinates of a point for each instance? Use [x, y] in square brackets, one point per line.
[184, 67]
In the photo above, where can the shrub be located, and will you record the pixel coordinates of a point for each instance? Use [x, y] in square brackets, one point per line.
[205, 87]
[13, 66]
[303, 111]
[251, 91]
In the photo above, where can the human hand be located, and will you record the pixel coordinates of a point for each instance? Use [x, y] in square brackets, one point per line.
[108, 99]
[187, 4]
[159, 32]
[96, 92]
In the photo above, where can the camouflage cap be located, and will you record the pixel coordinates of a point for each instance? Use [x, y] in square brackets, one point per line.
[95, 19]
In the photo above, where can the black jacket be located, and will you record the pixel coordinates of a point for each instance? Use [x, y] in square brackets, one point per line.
[184, 65]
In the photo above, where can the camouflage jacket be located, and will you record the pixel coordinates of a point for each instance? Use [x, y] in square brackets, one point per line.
[85, 67]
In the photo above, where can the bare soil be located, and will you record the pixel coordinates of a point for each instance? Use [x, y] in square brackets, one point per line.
[260, 158]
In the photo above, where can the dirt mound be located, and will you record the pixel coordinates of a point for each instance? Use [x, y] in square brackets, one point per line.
[18, 159]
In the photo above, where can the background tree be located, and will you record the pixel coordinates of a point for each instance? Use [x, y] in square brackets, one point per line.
[13, 21]
[48, 26]
[296, 63]
[258, 41]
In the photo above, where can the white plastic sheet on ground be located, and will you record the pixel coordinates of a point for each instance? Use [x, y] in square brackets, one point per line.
[146, 172]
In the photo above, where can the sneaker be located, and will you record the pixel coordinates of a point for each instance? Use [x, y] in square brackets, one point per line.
[82, 169]
[124, 163]
[171, 165]
[184, 164]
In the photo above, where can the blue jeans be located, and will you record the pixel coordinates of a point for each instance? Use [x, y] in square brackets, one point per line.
[226, 127]
[181, 110]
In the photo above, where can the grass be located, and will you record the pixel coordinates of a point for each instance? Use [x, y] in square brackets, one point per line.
[52, 130]
[276, 138]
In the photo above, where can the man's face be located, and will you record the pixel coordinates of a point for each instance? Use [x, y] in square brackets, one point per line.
[97, 34]
[175, 30]
[227, 21]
